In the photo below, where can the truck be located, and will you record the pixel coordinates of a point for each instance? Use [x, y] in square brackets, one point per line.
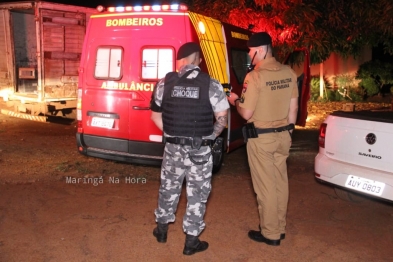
[355, 156]
[40, 49]
[127, 50]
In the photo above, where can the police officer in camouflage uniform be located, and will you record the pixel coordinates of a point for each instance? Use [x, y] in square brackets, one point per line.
[184, 106]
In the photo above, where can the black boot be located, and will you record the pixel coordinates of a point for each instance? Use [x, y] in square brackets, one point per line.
[161, 232]
[282, 235]
[193, 245]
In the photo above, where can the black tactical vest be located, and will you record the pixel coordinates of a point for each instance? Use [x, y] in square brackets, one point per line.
[186, 107]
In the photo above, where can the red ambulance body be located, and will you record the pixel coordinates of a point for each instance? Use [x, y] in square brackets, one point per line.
[127, 50]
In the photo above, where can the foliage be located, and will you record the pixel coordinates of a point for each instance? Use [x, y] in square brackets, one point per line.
[344, 94]
[345, 81]
[315, 89]
[348, 88]
[374, 76]
[334, 95]
[339, 26]
[356, 95]
[369, 85]
[331, 93]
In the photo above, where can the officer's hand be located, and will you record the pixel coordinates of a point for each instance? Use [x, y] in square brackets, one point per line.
[232, 98]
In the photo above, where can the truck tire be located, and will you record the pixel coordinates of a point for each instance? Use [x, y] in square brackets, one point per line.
[348, 196]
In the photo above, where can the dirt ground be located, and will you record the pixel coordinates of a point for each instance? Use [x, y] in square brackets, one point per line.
[47, 214]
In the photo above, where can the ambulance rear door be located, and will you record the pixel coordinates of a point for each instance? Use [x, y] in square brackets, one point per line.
[106, 100]
[153, 55]
[156, 57]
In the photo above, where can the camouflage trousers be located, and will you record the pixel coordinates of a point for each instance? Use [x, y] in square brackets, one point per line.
[181, 162]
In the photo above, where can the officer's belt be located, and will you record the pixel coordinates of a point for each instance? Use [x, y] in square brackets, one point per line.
[275, 130]
[187, 141]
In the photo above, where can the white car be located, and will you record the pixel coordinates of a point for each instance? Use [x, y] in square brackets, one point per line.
[356, 154]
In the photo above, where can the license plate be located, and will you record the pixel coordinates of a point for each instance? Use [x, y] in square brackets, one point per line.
[102, 122]
[364, 185]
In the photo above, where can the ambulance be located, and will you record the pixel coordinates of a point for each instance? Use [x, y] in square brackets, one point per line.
[126, 51]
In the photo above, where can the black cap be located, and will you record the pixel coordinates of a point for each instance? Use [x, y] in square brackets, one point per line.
[259, 39]
[187, 49]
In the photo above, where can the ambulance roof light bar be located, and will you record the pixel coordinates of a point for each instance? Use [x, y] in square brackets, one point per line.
[139, 8]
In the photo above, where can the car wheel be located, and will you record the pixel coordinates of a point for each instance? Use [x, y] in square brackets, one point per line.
[348, 196]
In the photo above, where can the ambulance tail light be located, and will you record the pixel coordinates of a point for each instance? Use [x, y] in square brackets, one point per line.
[79, 111]
[79, 127]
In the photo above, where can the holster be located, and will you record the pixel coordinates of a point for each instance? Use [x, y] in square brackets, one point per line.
[217, 150]
[249, 131]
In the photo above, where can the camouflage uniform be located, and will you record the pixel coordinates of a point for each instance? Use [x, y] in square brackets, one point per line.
[181, 161]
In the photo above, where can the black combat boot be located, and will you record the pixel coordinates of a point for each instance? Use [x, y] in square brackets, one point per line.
[161, 232]
[193, 245]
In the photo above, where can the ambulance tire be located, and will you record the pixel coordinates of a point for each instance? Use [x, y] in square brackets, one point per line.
[219, 162]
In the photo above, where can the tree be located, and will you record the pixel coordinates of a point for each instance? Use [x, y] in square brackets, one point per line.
[374, 76]
[340, 26]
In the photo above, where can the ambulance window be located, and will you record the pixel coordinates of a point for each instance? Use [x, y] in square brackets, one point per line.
[108, 63]
[241, 61]
[156, 62]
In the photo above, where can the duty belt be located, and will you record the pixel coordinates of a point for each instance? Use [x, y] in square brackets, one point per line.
[187, 141]
[275, 130]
